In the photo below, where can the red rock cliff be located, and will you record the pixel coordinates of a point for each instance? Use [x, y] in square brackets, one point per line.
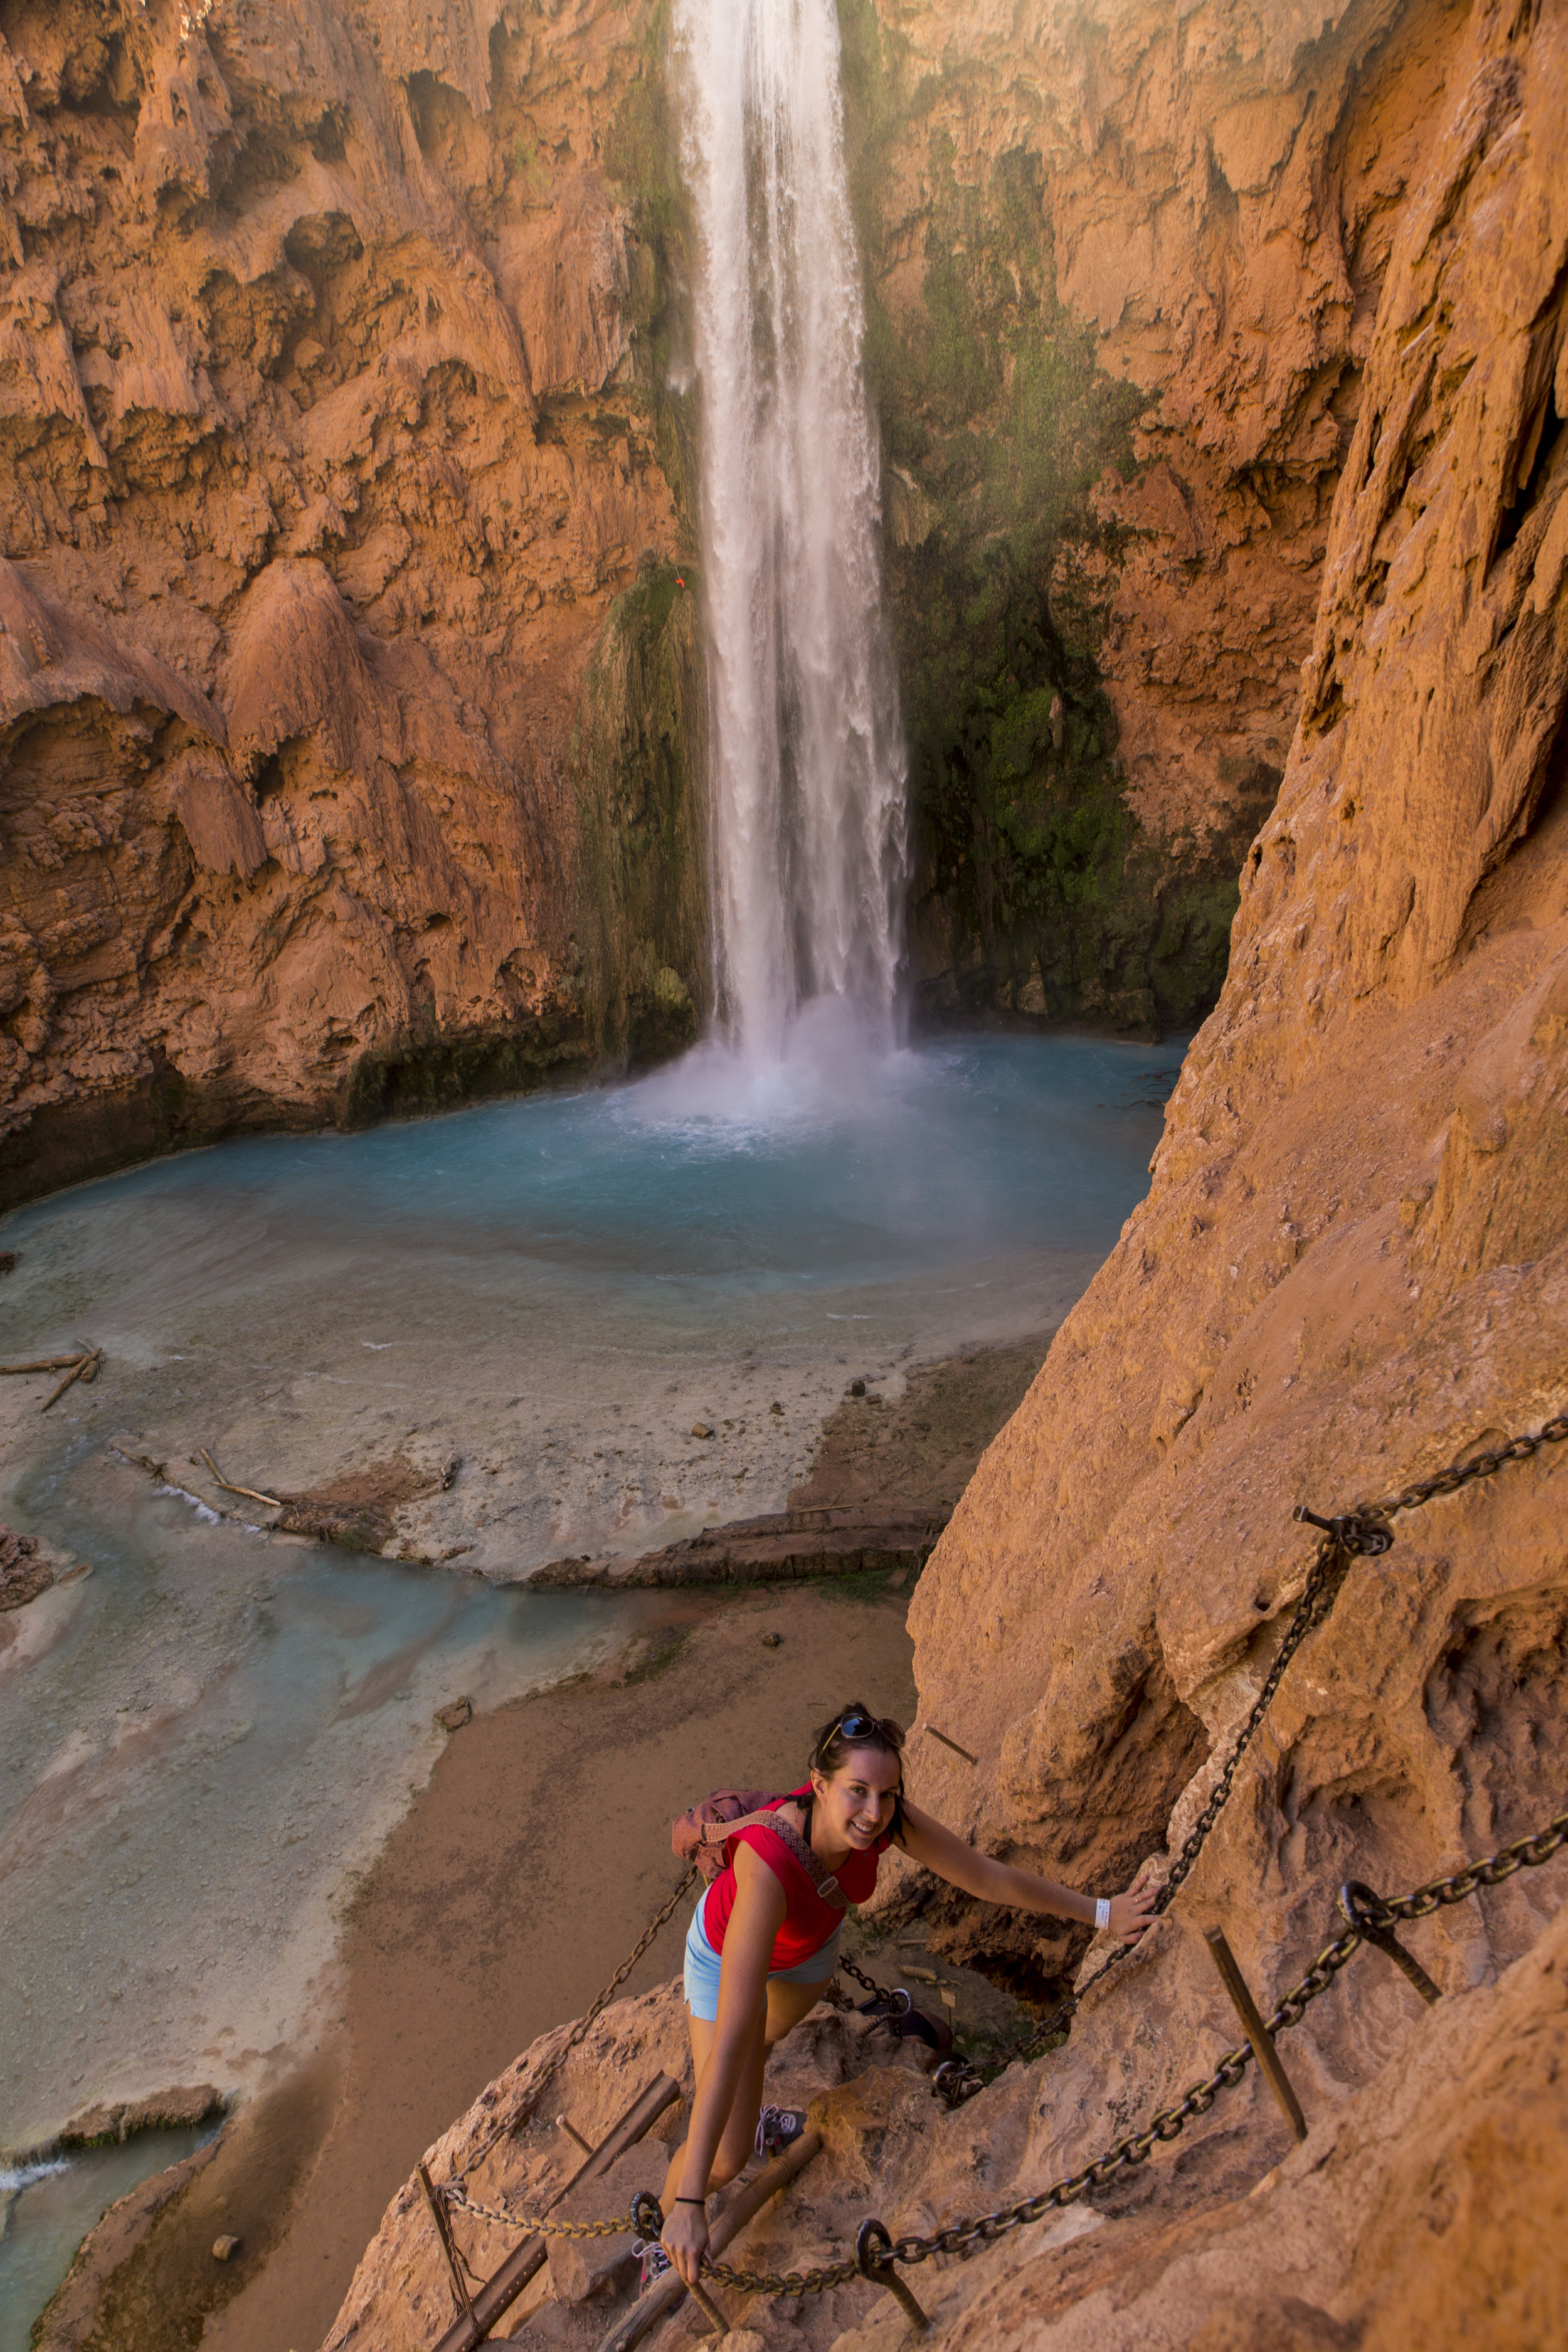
[341, 650]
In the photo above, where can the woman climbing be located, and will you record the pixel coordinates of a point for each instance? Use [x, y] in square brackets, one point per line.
[763, 1942]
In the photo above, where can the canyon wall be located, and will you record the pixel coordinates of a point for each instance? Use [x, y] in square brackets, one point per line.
[1123, 264]
[1352, 1269]
[350, 751]
[1352, 1266]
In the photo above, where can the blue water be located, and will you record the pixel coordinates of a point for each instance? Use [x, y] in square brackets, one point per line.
[963, 1149]
[203, 1741]
[45, 2210]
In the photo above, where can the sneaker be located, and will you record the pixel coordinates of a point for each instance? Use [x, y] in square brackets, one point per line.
[776, 2127]
[655, 2262]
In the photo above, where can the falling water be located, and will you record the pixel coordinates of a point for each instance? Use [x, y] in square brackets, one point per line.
[808, 756]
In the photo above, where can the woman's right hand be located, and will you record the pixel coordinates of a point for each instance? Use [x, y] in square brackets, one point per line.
[685, 2239]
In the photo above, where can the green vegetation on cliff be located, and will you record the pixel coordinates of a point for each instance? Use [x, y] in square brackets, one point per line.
[1035, 889]
[641, 756]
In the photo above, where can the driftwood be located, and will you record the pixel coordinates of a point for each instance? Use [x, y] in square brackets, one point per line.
[273, 1502]
[356, 1512]
[82, 1365]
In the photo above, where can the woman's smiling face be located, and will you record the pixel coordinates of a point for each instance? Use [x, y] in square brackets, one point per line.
[855, 1802]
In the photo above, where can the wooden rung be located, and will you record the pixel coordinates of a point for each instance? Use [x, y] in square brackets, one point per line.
[1257, 2032]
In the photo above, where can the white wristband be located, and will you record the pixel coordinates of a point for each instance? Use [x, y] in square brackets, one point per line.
[1101, 1915]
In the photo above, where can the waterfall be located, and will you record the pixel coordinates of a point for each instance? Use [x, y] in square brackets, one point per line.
[807, 753]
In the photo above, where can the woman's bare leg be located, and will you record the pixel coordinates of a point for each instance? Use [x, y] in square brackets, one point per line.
[739, 2136]
[788, 2003]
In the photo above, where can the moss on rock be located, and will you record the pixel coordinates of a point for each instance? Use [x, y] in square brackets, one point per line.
[1037, 893]
[641, 756]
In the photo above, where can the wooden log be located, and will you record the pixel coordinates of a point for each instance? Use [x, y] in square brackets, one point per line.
[526, 2261]
[709, 2309]
[75, 1373]
[653, 2306]
[44, 1364]
[271, 1501]
[1257, 2032]
[443, 2231]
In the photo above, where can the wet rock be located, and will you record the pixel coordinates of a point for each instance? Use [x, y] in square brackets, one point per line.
[453, 1717]
[181, 2109]
[7, 1261]
[23, 1574]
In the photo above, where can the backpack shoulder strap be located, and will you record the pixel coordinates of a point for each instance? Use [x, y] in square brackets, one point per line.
[789, 1837]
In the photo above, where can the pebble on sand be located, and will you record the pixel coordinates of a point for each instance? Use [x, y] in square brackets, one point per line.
[700, 1429]
[453, 1717]
[771, 1640]
[224, 2249]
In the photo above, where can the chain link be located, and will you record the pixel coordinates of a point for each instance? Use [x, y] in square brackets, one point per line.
[528, 2225]
[1448, 1481]
[1362, 1532]
[958, 2081]
[1136, 2147]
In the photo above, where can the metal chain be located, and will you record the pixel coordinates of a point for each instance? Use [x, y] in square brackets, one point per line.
[1525, 1854]
[1123, 2155]
[1362, 1532]
[529, 2225]
[1448, 1481]
[519, 2115]
[958, 2080]
[1136, 2147]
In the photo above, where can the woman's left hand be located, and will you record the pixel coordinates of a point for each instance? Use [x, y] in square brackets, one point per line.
[685, 2239]
[1134, 1914]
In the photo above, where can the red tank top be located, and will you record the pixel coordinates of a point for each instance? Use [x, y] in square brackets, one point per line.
[809, 1922]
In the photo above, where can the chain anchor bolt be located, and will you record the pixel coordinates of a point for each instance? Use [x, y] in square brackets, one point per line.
[1367, 1915]
[1351, 1531]
[872, 2246]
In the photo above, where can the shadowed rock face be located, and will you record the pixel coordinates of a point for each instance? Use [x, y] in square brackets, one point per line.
[1124, 269]
[344, 676]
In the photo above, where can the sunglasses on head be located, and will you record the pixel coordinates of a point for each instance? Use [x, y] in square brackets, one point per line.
[856, 1725]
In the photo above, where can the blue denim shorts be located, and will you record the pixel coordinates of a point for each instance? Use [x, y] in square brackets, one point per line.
[702, 1968]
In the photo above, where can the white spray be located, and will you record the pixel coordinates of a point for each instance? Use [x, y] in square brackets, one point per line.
[806, 752]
